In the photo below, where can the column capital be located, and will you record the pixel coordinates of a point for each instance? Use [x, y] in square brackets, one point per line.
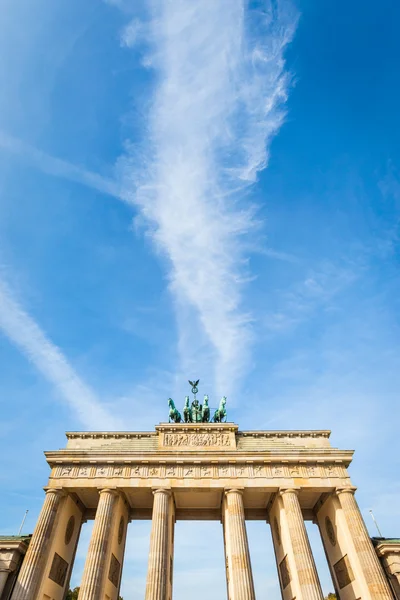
[57, 491]
[108, 490]
[230, 490]
[158, 490]
[291, 490]
[341, 490]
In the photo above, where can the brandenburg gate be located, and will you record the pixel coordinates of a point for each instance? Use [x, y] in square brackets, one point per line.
[200, 471]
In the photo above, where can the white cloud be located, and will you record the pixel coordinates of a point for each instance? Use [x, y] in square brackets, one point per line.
[58, 167]
[131, 33]
[26, 334]
[218, 102]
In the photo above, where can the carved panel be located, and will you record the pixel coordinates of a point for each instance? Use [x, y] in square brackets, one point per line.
[197, 439]
[118, 470]
[59, 569]
[330, 471]
[224, 470]
[277, 471]
[240, 470]
[343, 572]
[102, 471]
[206, 471]
[137, 471]
[115, 570]
[66, 471]
[294, 471]
[312, 471]
[258, 470]
[170, 471]
[84, 471]
[285, 572]
[154, 471]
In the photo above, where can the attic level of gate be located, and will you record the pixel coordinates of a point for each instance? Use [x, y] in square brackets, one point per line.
[221, 437]
[198, 462]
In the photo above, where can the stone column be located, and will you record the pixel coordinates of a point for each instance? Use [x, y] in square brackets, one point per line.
[158, 573]
[3, 580]
[31, 572]
[238, 566]
[94, 571]
[303, 558]
[368, 560]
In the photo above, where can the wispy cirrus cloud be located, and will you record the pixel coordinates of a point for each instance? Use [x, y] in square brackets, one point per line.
[25, 334]
[318, 289]
[218, 101]
[57, 167]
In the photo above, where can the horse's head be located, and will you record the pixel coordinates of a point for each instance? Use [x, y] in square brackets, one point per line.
[186, 401]
[206, 400]
[171, 403]
[223, 401]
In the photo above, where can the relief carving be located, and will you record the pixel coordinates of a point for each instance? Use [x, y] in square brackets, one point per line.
[101, 471]
[197, 439]
[58, 571]
[153, 471]
[258, 471]
[224, 470]
[343, 572]
[171, 471]
[240, 470]
[83, 472]
[285, 572]
[118, 471]
[66, 471]
[137, 471]
[114, 572]
[294, 471]
[331, 471]
[205, 471]
[277, 471]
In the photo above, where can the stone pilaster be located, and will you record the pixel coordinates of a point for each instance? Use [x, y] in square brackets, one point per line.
[238, 566]
[95, 566]
[372, 570]
[310, 587]
[31, 572]
[158, 574]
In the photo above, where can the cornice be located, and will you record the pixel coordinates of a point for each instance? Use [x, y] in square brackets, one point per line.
[88, 456]
[198, 427]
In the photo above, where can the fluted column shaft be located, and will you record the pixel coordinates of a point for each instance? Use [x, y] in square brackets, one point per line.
[157, 573]
[94, 571]
[303, 557]
[34, 562]
[239, 571]
[3, 580]
[369, 562]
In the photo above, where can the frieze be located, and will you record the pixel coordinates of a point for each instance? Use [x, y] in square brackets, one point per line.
[199, 469]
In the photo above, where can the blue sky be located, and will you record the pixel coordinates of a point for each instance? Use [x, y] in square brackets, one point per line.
[199, 189]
